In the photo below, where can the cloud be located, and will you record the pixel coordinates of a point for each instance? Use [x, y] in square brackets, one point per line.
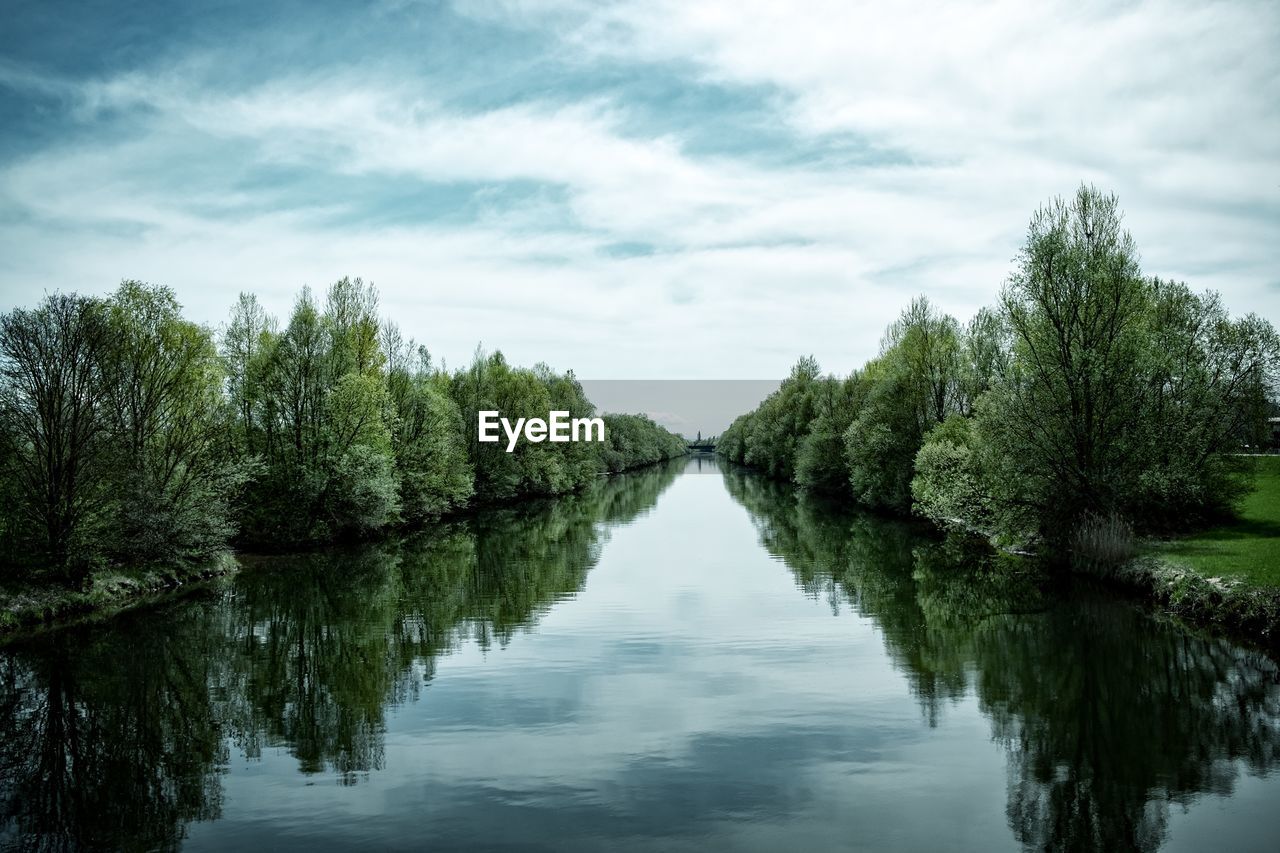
[999, 105]
[904, 152]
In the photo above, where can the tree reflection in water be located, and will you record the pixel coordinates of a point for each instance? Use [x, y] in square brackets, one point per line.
[1108, 715]
[116, 736]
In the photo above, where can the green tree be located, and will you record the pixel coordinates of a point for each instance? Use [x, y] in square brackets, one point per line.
[821, 463]
[351, 318]
[635, 440]
[174, 478]
[983, 359]
[326, 418]
[913, 385]
[428, 436]
[245, 341]
[491, 384]
[360, 492]
[1077, 308]
[782, 421]
[1205, 379]
[1125, 395]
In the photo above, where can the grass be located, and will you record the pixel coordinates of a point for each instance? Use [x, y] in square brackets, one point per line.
[32, 605]
[1247, 549]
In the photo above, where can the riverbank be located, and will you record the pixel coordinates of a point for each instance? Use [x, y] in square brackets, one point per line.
[1231, 605]
[1225, 579]
[29, 606]
[1227, 575]
[1247, 548]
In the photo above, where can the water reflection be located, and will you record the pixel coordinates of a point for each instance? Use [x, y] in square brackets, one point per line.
[690, 698]
[117, 737]
[1108, 716]
[107, 743]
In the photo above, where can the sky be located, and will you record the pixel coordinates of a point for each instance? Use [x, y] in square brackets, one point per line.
[632, 190]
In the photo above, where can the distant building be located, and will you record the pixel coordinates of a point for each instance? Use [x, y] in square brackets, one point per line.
[1274, 423]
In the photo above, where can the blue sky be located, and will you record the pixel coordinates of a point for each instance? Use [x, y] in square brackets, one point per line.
[632, 190]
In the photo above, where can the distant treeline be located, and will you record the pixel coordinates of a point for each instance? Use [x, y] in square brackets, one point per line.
[131, 435]
[1091, 400]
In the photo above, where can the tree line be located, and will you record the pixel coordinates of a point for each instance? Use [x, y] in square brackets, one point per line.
[1090, 401]
[131, 435]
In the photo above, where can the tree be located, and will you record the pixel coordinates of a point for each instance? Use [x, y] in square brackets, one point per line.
[881, 442]
[298, 378]
[1205, 380]
[52, 403]
[821, 463]
[428, 436]
[351, 318]
[360, 490]
[983, 359]
[326, 416]
[1077, 310]
[923, 349]
[782, 421]
[175, 478]
[635, 440]
[490, 383]
[914, 385]
[247, 337]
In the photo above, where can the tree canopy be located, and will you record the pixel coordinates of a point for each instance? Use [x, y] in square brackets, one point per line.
[1090, 391]
[130, 435]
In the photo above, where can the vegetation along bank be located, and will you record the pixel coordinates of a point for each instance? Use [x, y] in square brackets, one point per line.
[1091, 412]
[138, 447]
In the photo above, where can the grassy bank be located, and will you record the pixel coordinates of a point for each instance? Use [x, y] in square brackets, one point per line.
[108, 591]
[37, 604]
[1237, 607]
[1227, 576]
[1246, 550]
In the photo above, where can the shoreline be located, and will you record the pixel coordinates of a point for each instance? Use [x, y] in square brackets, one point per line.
[1234, 608]
[28, 610]
[1230, 607]
[33, 609]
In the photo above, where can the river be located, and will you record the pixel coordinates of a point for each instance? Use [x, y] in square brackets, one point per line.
[684, 658]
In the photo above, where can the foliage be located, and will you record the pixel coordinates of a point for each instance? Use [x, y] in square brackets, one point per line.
[948, 487]
[1089, 392]
[174, 480]
[490, 384]
[797, 432]
[635, 440]
[128, 437]
[56, 434]
[1245, 548]
[430, 450]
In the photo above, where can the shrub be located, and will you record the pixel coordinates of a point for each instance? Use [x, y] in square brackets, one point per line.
[1102, 543]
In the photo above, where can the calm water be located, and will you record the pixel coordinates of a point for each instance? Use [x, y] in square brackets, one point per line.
[686, 658]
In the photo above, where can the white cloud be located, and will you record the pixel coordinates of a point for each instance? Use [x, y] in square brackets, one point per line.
[1171, 104]
[988, 112]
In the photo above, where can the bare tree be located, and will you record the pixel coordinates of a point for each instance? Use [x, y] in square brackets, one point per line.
[51, 397]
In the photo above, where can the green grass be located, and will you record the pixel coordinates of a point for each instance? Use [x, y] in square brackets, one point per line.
[35, 605]
[1247, 548]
